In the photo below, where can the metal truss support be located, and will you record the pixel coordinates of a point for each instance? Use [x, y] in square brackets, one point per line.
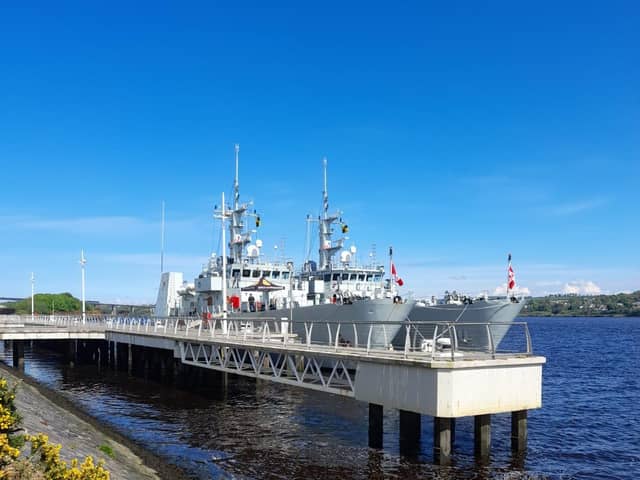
[311, 371]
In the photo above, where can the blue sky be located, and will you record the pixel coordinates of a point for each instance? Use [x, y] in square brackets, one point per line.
[455, 133]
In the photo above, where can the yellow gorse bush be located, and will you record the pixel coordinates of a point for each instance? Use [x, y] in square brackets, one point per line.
[45, 455]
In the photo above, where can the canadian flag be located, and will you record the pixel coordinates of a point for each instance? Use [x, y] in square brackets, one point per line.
[395, 276]
[511, 276]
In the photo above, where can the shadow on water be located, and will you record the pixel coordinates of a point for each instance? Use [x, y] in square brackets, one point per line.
[245, 428]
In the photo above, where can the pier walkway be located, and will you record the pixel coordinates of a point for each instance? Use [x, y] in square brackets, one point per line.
[436, 376]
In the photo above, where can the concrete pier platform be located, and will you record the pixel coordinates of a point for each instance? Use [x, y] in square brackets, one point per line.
[442, 385]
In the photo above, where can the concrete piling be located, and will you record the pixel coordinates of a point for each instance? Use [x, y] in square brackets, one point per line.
[519, 432]
[18, 354]
[130, 359]
[482, 437]
[410, 426]
[376, 416]
[453, 432]
[72, 352]
[145, 353]
[443, 429]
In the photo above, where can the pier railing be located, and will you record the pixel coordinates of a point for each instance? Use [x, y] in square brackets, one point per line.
[424, 340]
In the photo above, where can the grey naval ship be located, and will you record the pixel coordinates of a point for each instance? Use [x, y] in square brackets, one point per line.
[470, 316]
[333, 290]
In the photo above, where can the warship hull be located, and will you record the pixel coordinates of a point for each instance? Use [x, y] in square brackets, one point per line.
[372, 321]
[498, 313]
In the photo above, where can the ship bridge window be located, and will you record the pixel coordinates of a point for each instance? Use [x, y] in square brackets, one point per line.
[246, 273]
[361, 277]
[285, 275]
[336, 277]
[255, 273]
[327, 277]
[345, 276]
[276, 274]
[377, 277]
[353, 276]
[369, 277]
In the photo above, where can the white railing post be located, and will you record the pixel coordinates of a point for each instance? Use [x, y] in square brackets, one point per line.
[407, 340]
[491, 345]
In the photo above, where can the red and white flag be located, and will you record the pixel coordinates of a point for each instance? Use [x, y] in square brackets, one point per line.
[511, 280]
[395, 276]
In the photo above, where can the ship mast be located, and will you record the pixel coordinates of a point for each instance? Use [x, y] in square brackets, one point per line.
[326, 250]
[239, 238]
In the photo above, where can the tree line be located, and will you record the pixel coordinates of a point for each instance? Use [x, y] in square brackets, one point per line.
[619, 304]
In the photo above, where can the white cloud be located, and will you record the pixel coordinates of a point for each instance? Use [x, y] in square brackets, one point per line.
[75, 225]
[518, 290]
[99, 224]
[193, 262]
[581, 287]
[577, 207]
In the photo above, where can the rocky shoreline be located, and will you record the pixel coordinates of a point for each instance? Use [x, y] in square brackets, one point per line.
[46, 411]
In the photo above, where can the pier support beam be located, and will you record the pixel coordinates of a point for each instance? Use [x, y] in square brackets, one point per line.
[443, 429]
[18, 354]
[519, 432]
[482, 437]
[130, 359]
[410, 427]
[72, 352]
[146, 360]
[376, 415]
[453, 432]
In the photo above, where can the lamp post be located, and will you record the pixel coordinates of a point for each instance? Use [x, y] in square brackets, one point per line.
[33, 283]
[83, 261]
[223, 214]
[290, 268]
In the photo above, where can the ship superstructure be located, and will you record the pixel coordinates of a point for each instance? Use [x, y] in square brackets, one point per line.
[335, 290]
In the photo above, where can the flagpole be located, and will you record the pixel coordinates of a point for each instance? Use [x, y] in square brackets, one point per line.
[508, 271]
[391, 267]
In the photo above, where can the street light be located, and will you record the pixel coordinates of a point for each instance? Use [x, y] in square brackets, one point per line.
[290, 268]
[33, 282]
[83, 261]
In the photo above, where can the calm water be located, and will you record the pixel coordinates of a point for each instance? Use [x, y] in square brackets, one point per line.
[589, 426]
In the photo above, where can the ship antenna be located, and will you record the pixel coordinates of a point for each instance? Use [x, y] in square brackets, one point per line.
[325, 193]
[236, 184]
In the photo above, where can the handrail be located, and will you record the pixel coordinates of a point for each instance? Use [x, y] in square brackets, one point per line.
[445, 340]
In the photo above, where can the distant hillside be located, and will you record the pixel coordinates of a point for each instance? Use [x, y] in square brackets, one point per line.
[45, 303]
[621, 304]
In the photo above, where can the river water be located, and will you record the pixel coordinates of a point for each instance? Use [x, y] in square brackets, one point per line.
[588, 427]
